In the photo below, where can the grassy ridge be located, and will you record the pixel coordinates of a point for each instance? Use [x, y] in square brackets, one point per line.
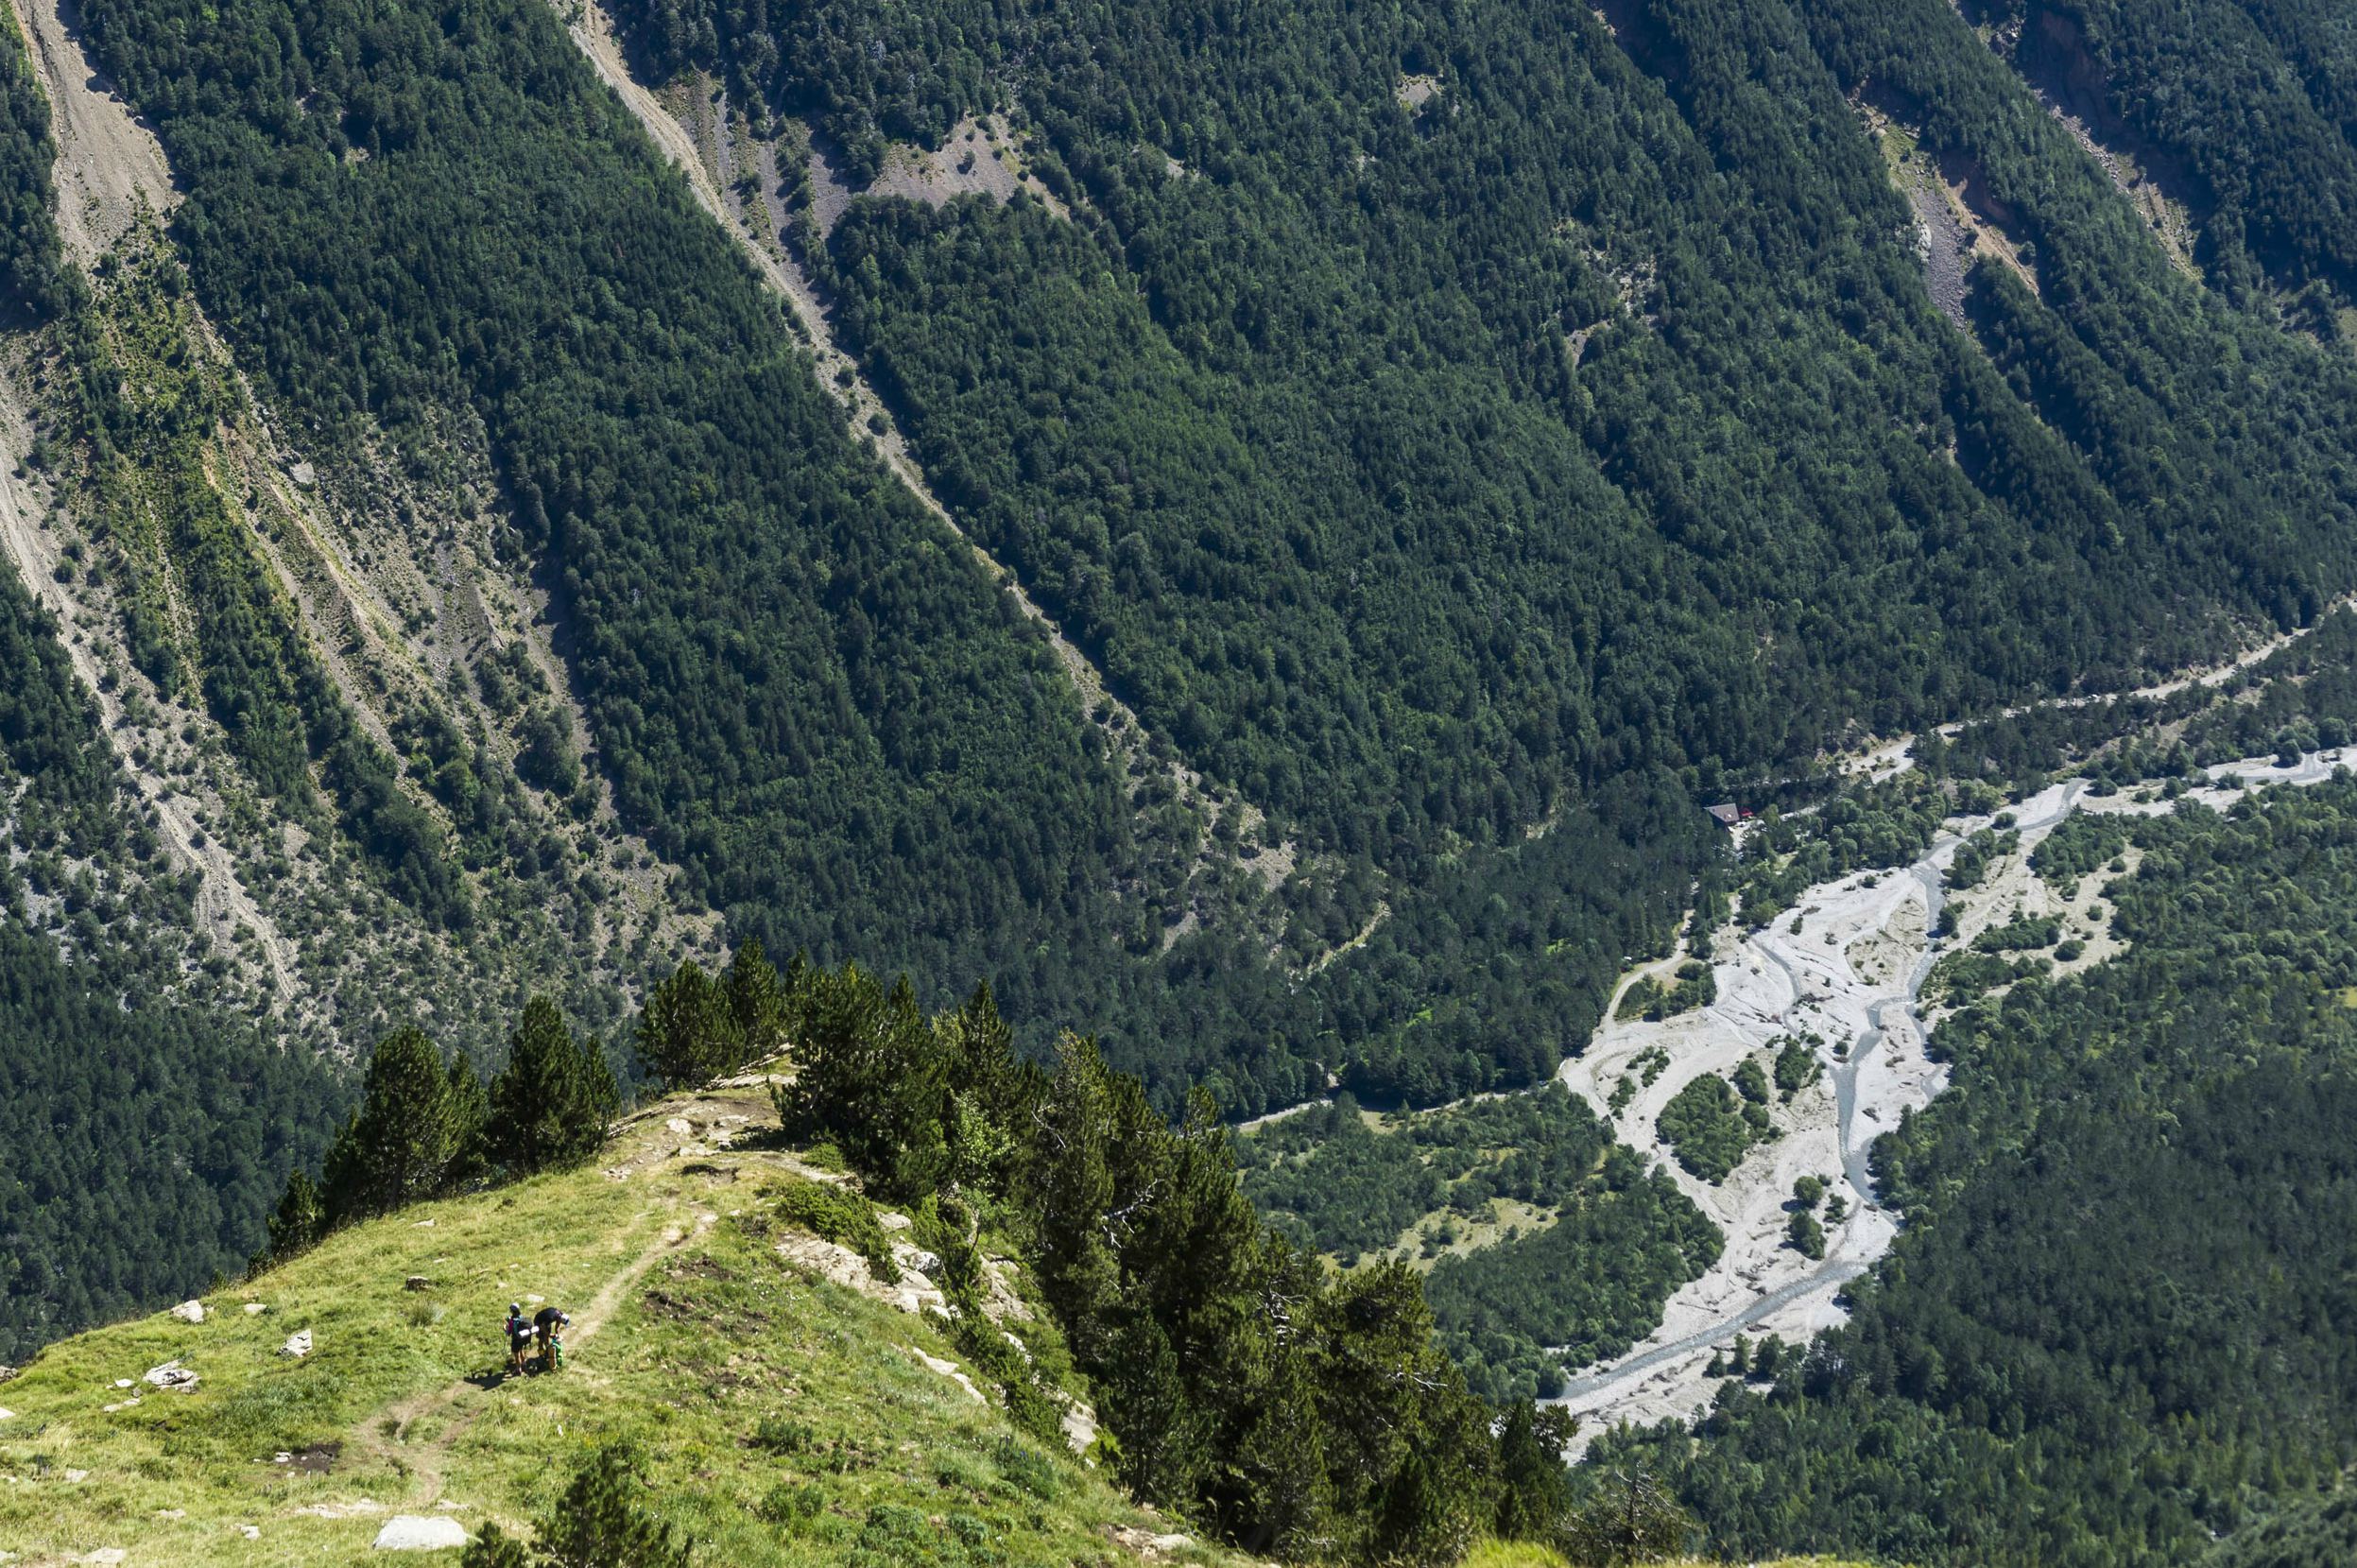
[690, 1335]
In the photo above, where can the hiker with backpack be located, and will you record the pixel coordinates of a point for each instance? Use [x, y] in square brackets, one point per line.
[546, 1322]
[518, 1338]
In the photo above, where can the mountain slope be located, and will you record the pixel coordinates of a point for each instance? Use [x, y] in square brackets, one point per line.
[755, 1380]
[1354, 404]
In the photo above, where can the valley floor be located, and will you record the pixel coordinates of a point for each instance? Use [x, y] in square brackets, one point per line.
[1848, 968]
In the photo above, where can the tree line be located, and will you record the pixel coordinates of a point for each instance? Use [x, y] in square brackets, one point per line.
[427, 1127]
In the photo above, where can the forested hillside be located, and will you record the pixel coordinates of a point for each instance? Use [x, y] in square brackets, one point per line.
[1417, 470]
[1424, 418]
[2248, 108]
[1469, 437]
[142, 1140]
[2112, 1327]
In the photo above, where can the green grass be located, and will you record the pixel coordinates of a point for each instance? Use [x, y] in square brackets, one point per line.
[1521, 1554]
[788, 1420]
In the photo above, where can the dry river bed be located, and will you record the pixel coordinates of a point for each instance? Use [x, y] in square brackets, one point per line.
[1850, 975]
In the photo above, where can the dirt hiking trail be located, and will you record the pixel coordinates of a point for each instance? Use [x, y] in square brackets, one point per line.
[396, 1434]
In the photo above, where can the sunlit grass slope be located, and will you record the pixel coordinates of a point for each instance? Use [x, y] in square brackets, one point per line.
[690, 1333]
[1518, 1554]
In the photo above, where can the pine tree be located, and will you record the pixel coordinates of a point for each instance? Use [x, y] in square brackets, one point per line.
[1632, 1520]
[496, 1548]
[1806, 1234]
[301, 1220]
[686, 1035]
[470, 1113]
[415, 1130]
[1165, 1437]
[550, 1106]
[757, 1003]
[598, 1524]
[873, 1074]
[1534, 1488]
[1287, 1499]
[1071, 1195]
[996, 1093]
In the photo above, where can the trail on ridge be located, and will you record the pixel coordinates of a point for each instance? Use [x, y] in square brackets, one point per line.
[386, 1435]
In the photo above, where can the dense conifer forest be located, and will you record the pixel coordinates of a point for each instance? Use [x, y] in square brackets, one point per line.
[140, 1139]
[1574, 1243]
[1680, 474]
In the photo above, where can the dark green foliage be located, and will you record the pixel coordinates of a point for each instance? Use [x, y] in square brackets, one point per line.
[800, 687]
[684, 1039]
[1292, 445]
[870, 1072]
[416, 1134]
[693, 1028]
[2114, 1323]
[300, 1220]
[496, 1548]
[1623, 345]
[1874, 827]
[1960, 977]
[31, 274]
[1324, 1177]
[1534, 1490]
[601, 1522]
[1980, 850]
[2245, 107]
[1796, 1067]
[1625, 1516]
[2023, 933]
[1694, 986]
[1711, 1130]
[2304, 693]
[550, 1105]
[138, 1147]
[1502, 965]
[843, 1218]
[1588, 1285]
[143, 1136]
[2081, 843]
[1241, 1385]
[205, 616]
[1806, 1235]
[1593, 1280]
[2301, 1536]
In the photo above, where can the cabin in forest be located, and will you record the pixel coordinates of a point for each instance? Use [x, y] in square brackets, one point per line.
[1727, 814]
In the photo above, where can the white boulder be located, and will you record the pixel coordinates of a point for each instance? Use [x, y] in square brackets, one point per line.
[171, 1375]
[189, 1312]
[409, 1532]
[297, 1344]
